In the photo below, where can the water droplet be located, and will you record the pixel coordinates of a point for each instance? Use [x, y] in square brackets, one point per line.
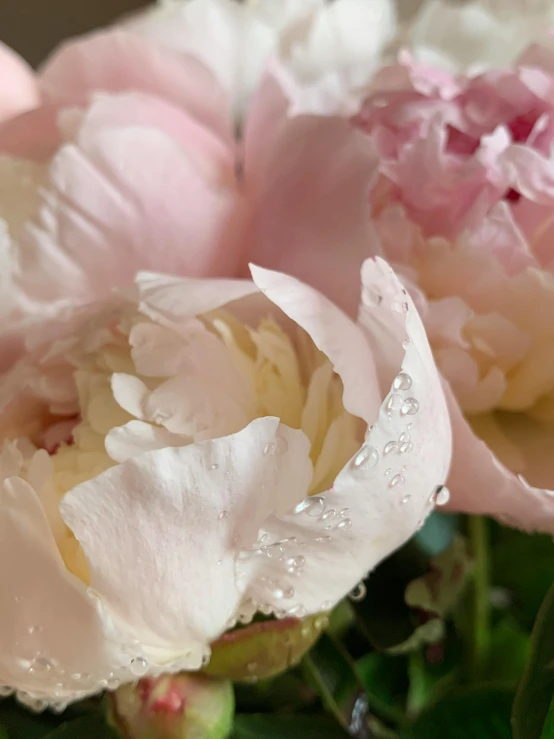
[274, 551]
[367, 457]
[331, 513]
[295, 564]
[264, 538]
[321, 622]
[402, 381]
[113, 682]
[441, 495]
[219, 562]
[214, 466]
[344, 512]
[394, 402]
[388, 473]
[223, 514]
[139, 666]
[396, 481]
[358, 593]
[265, 608]
[346, 523]
[41, 664]
[400, 306]
[372, 297]
[313, 506]
[270, 448]
[409, 426]
[410, 407]
[405, 344]
[406, 447]
[34, 630]
[390, 447]
[406, 499]
[323, 539]
[288, 592]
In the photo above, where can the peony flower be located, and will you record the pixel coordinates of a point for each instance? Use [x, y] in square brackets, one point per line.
[134, 160]
[460, 36]
[194, 451]
[462, 206]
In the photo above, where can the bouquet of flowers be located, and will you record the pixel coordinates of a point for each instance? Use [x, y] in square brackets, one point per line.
[277, 375]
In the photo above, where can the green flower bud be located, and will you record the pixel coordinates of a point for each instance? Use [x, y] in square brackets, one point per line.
[263, 650]
[183, 706]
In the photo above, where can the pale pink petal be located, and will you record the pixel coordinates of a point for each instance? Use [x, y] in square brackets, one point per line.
[55, 641]
[481, 484]
[31, 135]
[382, 496]
[232, 40]
[333, 332]
[161, 531]
[119, 61]
[108, 213]
[18, 87]
[313, 197]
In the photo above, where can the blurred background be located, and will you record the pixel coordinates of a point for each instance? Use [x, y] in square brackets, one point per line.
[35, 27]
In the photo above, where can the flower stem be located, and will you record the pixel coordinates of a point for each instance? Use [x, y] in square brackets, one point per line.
[478, 530]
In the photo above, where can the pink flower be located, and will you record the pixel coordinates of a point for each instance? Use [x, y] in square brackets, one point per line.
[192, 451]
[18, 87]
[462, 206]
[132, 162]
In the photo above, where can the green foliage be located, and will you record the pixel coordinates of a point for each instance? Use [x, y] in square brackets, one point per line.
[436, 650]
[534, 696]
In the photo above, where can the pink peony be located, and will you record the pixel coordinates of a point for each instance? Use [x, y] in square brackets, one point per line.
[193, 451]
[462, 206]
[19, 90]
[133, 159]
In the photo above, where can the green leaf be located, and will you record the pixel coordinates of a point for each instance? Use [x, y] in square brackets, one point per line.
[19, 723]
[86, 727]
[383, 614]
[438, 591]
[286, 692]
[523, 564]
[286, 727]
[548, 728]
[536, 689]
[333, 674]
[264, 649]
[386, 683]
[508, 652]
[476, 713]
[3, 733]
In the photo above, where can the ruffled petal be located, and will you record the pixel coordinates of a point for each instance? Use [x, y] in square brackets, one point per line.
[119, 61]
[326, 58]
[109, 212]
[314, 555]
[482, 484]
[161, 531]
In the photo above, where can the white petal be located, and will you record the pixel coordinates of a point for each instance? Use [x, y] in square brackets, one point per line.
[327, 59]
[136, 437]
[381, 497]
[336, 335]
[161, 531]
[55, 641]
[171, 299]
